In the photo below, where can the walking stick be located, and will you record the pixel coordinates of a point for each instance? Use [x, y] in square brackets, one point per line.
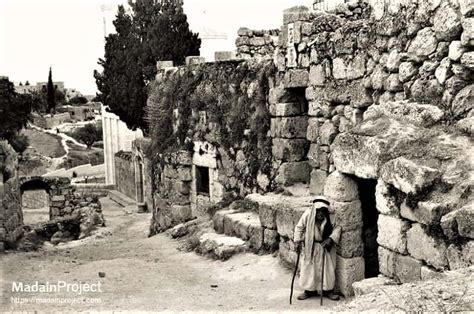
[296, 270]
[322, 274]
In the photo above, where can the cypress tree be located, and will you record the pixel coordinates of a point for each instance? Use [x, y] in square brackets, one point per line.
[50, 93]
[156, 30]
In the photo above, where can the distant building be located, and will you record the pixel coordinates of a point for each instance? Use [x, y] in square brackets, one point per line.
[42, 86]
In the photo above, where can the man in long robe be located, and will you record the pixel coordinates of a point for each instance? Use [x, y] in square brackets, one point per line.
[316, 231]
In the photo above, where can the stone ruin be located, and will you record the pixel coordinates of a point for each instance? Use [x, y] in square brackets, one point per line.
[76, 212]
[370, 105]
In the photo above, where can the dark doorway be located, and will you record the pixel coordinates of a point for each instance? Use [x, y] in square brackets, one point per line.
[370, 216]
[202, 180]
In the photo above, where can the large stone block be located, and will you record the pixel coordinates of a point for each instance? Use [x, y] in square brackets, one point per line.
[350, 243]
[296, 78]
[289, 149]
[406, 71]
[466, 7]
[313, 155]
[423, 246]
[256, 237]
[341, 188]
[387, 203]
[267, 215]
[447, 22]
[293, 172]
[427, 213]
[287, 109]
[460, 256]
[348, 215]
[348, 69]
[317, 75]
[467, 60]
[467, 37]
[318, 181]
[407, 269]
[456, 50]
[459, 223]
[392, 233]
[424, 44]
[327, 132]
[312, 133]
[286, 220]
[359, 155]
[289, 127]
[287, 252]
[408, 176]
[270, 240]
[181, 213]
[386, 261]
[348, 271]
[462, 103]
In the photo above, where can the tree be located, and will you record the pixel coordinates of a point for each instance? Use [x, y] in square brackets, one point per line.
[89, 134]
[78, 100]
[27, 83]
[156, 30]
[50, 92]
[15, 111]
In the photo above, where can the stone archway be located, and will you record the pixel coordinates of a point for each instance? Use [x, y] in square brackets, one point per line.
[35, 201]
[45, 198]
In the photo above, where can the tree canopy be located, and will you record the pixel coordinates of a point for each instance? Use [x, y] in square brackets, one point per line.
[155, 30]
[50, 93]
[89, 134]
[15, 110]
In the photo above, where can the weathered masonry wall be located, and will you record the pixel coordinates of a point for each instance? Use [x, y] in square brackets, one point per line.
[220, 123]
[257, 44]
[11, 217]
[125, 174]
[383, 94]
[38, 198]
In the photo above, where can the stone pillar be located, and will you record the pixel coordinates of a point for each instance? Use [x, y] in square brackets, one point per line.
[346, 212]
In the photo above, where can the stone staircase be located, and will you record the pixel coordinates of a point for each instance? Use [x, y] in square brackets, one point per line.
[121, 198]
[259, 224]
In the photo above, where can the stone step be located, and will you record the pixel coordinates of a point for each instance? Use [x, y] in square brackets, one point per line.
[121, 198]
[221, 246]
[247, 227]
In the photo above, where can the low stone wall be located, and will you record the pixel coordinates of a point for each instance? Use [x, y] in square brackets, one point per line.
[257, 44]
[11, 216]
[125, 174]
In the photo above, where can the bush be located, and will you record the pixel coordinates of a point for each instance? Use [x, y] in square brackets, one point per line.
[89, 134]
[78, 100]
[19, 142]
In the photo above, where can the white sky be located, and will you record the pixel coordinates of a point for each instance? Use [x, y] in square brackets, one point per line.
[68, 34]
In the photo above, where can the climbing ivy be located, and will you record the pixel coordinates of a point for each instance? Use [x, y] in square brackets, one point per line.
[234, 96]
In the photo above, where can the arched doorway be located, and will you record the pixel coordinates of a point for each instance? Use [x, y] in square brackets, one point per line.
[35, 201]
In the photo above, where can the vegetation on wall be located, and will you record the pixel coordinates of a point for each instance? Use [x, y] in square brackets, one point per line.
[234, 97]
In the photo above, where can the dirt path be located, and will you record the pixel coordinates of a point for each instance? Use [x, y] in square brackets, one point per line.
[148, 274]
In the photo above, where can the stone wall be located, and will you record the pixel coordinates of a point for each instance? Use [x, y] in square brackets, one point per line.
[11, 216]
[35, 199]
[226, 143]
[257, 44]
[125, 174]
[347, 65]
[382, 93]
